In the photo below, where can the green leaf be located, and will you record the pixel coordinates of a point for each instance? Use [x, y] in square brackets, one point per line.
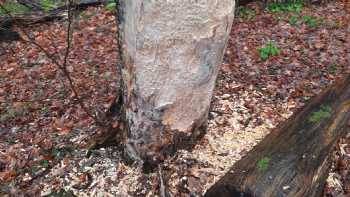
[263, 164]
[111, 6]
[293, 20]
[323, 113]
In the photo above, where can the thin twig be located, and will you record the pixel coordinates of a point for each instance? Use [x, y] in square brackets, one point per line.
[120, 59]
[162, 189]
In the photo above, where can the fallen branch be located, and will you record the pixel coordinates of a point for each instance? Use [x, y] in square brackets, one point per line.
[41, 17]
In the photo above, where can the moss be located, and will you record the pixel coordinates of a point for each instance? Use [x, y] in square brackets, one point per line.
[48, 5]
[323, 113]
[13, 8]
[263, 164]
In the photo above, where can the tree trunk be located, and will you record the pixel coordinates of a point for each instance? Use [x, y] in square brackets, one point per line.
[171, 52]
[294, 159]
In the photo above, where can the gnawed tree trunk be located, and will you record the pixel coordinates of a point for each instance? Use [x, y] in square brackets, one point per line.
[171, 52]
[293, 160]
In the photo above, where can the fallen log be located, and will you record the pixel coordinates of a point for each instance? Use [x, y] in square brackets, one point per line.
[39, 17]
[6, 22]
[293, 160]
[245, 2]
[32, 5]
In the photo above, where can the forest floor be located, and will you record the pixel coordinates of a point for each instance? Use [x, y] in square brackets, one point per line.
[43, 131]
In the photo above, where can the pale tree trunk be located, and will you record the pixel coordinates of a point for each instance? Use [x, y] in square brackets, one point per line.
[171, 52]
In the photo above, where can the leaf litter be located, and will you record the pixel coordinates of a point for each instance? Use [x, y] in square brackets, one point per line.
[43, 131]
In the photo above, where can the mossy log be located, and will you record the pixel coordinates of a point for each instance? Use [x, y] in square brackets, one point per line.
[293, 160]
[35, 16]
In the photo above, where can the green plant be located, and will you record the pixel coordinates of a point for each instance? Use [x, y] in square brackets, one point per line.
[45, 163]
[48, 4]
[269, 50]
[313, 22]
[263, 163]
[293, 20]
[323, 113]
[288, 6]
[337, 24]
[33, 169]
[309, 21]
[333, 69]
[13, 8]
[13, 113]
[246, 13]
[111, 6]
[11, 141]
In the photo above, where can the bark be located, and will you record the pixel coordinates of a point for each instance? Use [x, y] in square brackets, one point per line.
[245, 2]
[294, 159]
[171, 52]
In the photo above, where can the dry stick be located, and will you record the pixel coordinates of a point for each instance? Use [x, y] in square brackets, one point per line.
[62, 67]
[162, 188]
[118, 15]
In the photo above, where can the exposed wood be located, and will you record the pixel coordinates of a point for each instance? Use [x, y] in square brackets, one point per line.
[293, 160]
[171, 52]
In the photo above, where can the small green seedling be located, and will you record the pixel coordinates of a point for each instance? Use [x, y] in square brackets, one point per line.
[111, 6]
[310, 21]
[246, 13]
[45, 163]
[313, 22]
[337, 24]
[269, 50]
[323, 113]
[289, 6]
[333, 69]
[11, 141]
[293, 20]
[263, 163]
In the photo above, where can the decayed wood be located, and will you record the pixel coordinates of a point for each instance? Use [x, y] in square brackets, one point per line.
[171, 52]
[293, 160]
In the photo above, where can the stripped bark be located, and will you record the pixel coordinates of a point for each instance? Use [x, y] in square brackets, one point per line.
[293, 160]
[171, 52]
